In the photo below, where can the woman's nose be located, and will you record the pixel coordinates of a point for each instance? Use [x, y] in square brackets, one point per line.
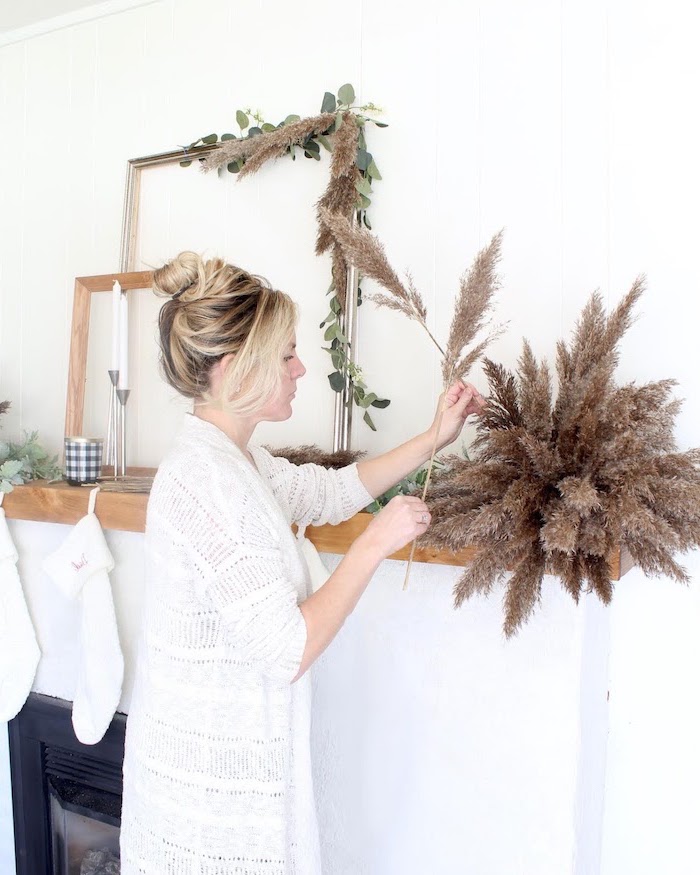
[301, 370]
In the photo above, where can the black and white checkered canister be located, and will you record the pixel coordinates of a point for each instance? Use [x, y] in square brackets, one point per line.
[83, 459]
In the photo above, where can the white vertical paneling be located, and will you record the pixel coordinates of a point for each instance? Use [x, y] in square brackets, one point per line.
[654, 768]
[45, 285]
[398, 358]
[12, 230]
[585, 156]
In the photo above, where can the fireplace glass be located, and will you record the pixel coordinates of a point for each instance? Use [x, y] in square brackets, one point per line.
[84, 824]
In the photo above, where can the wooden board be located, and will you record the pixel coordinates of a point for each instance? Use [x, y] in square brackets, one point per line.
[60, 503]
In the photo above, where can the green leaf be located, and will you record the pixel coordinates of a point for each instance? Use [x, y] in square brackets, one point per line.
[10, 468]
[335, 305]
[381, 403]
[380, 124]
[233, 167]
[331, 331]
[311, 146]
[364, 202]
[368, 419]
[361, 141]
[324, 142]
[291, 119]
[337, 359]
[337, 381]
[210, 139]
[242, 119]
[267, 128]
[369, 228]
[254, 132]
[185, 163]
[373, 170]
[338, 120]
[346, 94]
[329, 102]
[225, 137]
[363, 185]
[364, 159]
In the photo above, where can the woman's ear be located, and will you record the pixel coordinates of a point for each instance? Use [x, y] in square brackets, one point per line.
[218, 372]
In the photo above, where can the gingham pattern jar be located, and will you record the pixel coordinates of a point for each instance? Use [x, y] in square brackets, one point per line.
[83, 460]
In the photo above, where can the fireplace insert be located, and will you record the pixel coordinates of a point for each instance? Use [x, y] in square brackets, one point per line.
[66, 795]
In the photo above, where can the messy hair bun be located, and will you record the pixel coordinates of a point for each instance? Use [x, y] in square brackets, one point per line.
[184, 273]
[215, 309]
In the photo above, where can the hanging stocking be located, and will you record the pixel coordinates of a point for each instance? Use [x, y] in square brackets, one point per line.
[79, 569]
[19, 652]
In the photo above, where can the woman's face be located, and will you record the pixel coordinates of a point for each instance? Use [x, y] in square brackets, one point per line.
[279, 407]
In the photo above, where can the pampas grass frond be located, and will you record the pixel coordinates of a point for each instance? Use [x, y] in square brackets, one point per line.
[310, 453]
[273, 144]
[345, 147]
[555, 484]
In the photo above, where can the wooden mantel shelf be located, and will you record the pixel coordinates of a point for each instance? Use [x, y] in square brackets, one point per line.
[40, 501]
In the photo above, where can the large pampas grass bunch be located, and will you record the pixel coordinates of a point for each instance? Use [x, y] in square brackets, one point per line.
[556, 483]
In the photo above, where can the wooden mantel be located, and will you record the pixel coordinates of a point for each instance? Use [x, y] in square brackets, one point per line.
[59, 503]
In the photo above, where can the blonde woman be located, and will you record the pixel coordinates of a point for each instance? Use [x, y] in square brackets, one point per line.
[217, 774]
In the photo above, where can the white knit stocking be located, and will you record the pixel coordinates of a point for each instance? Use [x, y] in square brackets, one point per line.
[19, 652]
[79, 568]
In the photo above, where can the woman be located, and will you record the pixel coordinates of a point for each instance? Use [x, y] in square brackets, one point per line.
[217, 775]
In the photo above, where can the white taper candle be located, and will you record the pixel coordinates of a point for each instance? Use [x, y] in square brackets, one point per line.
[123, 342]
[116, 295]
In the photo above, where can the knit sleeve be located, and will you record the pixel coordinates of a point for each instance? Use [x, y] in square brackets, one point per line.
[313, 494]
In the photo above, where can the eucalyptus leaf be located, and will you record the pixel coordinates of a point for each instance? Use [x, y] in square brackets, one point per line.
[210, 139]
[363, 185]
[381, 403]
[346, 94]
[242, 119]
[267, 128]
[380, 124]
[291, 119]
[369, 228]
[335, 305]
[368, 419]
[364, 202]
[337, 381]
[373, 170]
[254, 132]
[364, 159]
[225, 137]
[329, 102]
[324, 142]
[185, 163]
[331, 332]
[233, 167]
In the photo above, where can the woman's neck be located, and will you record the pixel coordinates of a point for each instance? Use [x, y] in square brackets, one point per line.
[238, 428]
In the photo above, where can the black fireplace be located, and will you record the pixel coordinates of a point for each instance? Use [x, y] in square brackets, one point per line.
[66, 795]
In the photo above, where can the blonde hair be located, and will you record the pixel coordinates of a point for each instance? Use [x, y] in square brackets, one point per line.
[216, 309]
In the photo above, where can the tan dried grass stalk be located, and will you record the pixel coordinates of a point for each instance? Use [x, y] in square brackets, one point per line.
[474, 302]
[310, 453]
[273, 144]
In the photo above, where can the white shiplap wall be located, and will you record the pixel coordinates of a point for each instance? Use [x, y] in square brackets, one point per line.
[569, 125]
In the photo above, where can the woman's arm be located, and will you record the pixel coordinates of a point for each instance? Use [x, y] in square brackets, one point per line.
[403, 519]
[382, 472]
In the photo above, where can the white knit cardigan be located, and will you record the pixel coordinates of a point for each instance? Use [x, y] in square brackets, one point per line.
[217, 771]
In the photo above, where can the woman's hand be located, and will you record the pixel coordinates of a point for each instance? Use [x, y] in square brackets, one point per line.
[461, 400]
[403, 519]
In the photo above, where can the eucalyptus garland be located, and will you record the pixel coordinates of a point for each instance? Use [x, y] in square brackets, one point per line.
[340, 130]
[24, 461]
